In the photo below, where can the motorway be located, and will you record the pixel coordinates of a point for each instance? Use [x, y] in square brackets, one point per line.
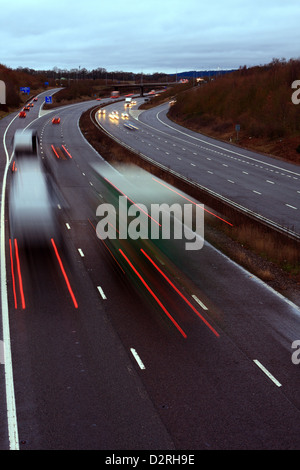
[266, 186]
[154, 350]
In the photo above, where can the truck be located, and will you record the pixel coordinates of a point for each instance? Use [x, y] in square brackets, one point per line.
[33, 214]
[25, 143]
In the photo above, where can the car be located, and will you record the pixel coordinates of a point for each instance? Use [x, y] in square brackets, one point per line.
[56, 120]
[98, 99]
[35, 99]
[102, 111]
[114, 115]
[125, 116]
[22, 114]
[26, 108]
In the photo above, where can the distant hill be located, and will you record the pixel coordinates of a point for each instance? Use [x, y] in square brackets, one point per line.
[201, 73]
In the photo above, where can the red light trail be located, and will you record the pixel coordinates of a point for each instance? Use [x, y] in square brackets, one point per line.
[64, 274]
[193, 202]
[180, 293]
[153, 295]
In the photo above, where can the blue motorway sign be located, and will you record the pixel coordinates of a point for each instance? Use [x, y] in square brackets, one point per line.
[48, 99]
[25, 89]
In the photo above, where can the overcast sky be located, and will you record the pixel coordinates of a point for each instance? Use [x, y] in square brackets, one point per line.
[147, 36]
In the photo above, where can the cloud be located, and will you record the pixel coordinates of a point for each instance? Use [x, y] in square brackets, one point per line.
[148, 36]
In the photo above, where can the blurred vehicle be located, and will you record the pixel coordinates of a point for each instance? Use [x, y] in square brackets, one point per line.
[22, 114]
[35, 99]
[26, 108]
[32, 212]
[102, 111]
[25, 144]
[98, 99]
[125, 116]
[161, 210]
[115, 94]
[114, 115]
[56, 120]
[32, 201]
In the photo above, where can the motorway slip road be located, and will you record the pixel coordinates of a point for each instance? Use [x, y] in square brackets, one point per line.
[112, 370]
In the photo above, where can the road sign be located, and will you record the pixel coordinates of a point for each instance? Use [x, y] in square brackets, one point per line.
[2, 92]
[48, 99]
[25, 89]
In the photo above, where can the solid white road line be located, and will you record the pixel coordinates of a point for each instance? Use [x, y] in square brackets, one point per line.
[9, 381]
[223, 149]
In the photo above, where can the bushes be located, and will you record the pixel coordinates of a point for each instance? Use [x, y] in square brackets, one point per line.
[258, 98]
[75, 90]
[14, 79]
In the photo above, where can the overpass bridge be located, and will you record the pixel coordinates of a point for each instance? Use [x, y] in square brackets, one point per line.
[143, 87]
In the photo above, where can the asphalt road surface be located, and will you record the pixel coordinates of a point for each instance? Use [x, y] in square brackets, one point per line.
[266, 186]
[133, 345]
